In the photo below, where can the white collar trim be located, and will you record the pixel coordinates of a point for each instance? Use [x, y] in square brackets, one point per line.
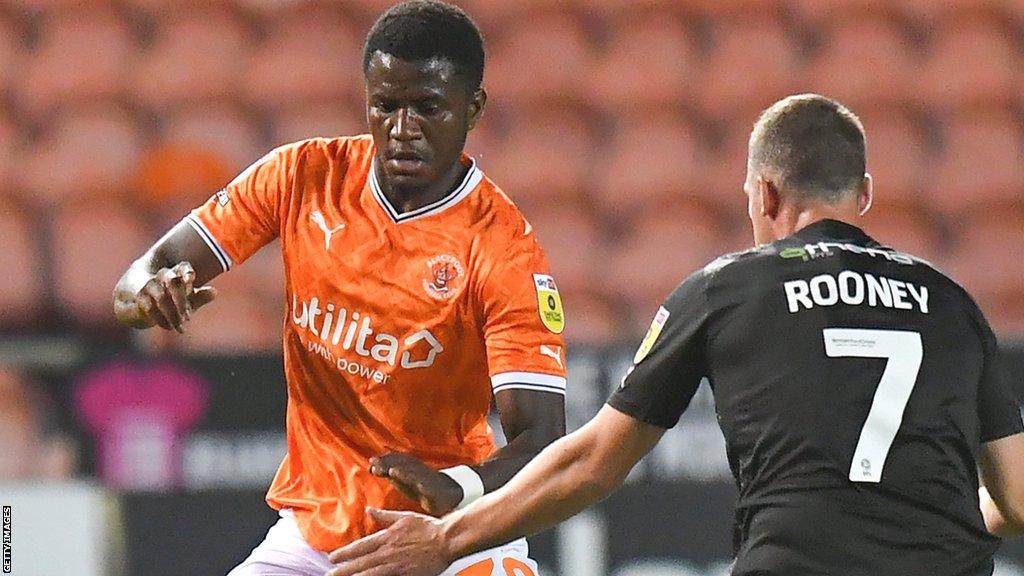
[468, 184]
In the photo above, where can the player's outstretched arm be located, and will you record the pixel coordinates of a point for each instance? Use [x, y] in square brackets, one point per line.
[531, 421]
[1002, 498]
[569, 475]
[160, 288]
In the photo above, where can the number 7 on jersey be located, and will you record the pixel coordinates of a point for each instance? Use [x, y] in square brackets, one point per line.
[904, 352]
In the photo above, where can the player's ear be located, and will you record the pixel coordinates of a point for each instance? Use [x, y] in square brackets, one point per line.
[770, 197]
[476, 107]
[866, 195]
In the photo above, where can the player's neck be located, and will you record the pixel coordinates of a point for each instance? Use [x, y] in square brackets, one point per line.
[405, 199]
[796, 219]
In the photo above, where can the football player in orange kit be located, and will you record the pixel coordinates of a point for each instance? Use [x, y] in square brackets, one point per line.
[416, 293]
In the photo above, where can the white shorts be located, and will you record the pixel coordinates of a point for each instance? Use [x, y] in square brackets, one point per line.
[284, 552]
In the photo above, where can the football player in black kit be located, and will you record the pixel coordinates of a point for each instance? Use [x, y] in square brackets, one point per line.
[859, 390]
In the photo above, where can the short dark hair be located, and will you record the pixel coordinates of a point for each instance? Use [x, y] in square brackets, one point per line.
[425, 29]
[814, 144]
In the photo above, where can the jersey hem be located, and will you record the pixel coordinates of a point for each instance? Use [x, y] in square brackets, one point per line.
[528, 381]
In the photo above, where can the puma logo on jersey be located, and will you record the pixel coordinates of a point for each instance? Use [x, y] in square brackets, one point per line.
[555, 353]
[320, 221]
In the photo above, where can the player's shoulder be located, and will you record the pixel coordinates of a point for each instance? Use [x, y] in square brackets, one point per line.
[499, 217]
[343, 148]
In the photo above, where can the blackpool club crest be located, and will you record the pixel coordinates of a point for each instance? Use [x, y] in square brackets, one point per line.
[443, 280]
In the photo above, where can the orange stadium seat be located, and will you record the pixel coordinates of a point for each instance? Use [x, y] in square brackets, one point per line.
[726, 168]
[310, 55]
[83, 53]
[661, 248]
[816, 13]
[865, 58]
[491, 14]
[329, 118]
[173, 179]
[897, 155]
[218, 127]
[593, 320]
[94, 241]
[971, 60]
[544, 55]
[649, 58]
[981, 160]
[752, 64]
[239, 321]
[571, 238]
[547, 153]
[21, 284]
[197, 54]
[88, 150]
[652, 157]
[11, 50]
[11, 163]
[987, 260]
[908, 228]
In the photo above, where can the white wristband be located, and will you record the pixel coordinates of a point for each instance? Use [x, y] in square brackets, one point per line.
[469, 480]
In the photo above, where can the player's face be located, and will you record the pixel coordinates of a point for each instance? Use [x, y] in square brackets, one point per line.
[419, 113]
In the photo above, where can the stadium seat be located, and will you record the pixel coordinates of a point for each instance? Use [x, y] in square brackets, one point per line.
[88, 150]
[753, 63]
[866, 58]
[817, 13]
[239, 321]
[310, 55]
[173, 179]
[659, 249]
[547, 153]
[11, 141]
[572, 240]
[329, 118]
[545, 55]
[897, 154]
[971, 60]
[94, 241]
[83, 53]
[197, 54]
[981, 160]
[987, 259]
[21, 285]
[906, 227]
[11, 50]
[652, 157]
[592, 319]
[220, 127]
[649, 59]
[726, 167]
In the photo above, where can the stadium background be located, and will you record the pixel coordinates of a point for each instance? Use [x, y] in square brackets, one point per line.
[618, 126]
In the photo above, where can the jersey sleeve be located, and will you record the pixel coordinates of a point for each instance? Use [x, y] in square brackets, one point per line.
[245, 216]
[670, 363]
[998, 407]
[523, 321]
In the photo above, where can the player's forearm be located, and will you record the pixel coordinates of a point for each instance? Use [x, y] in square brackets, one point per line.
[560, 482]
[996, 522]
[511, 458]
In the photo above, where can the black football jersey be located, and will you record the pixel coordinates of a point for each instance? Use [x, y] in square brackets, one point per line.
[854, 385]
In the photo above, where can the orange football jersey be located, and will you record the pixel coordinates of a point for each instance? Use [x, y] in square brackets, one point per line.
[399, 326]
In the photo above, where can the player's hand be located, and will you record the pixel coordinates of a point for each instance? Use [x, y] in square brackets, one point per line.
[168, 298]
[435, 492]
[412, 545]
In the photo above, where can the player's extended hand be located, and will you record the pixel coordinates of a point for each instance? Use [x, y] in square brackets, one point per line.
[412, 545]
[168, 298]
[435, 492]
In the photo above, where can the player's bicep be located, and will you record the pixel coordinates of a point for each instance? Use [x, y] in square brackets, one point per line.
[669, 364]
[540, 415]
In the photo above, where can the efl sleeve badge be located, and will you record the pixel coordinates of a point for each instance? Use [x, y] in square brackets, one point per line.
[652, 335]
[549, 303]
